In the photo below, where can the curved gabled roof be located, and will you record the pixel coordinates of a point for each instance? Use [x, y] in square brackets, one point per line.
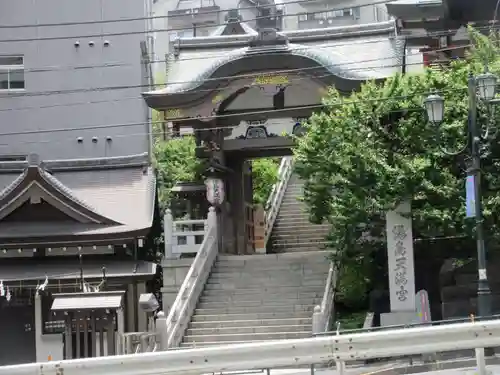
[324, 62]
[35, 174]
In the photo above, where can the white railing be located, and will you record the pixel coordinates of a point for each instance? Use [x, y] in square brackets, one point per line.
[139, 342]
[323, 313]
[276, 197]
[280, 353]
[183, 307]
[182, 236]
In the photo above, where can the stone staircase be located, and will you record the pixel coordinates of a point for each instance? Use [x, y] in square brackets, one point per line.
[292, 229]
[258, 297]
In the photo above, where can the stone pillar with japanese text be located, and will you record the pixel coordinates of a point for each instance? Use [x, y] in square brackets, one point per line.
[401, 259]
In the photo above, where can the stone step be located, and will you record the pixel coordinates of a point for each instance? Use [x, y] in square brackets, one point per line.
[298, 218]
[299, 237]
[301, 229]
[292, 215]
[293, 209]
[315, 259]
[249, 283]
[266, 257]
[200, 317]
[247, 337]
[251, 323]
[292, 249]
[288, 221]
[294, 270]
[263, 291]
[291, 200]
[291, 309]
[297, 244]
[301, 222]
[281, 277]
[269, 263]
[316, 266]
[256, 304]
[260, 298]
[294, 196]
[247, 330]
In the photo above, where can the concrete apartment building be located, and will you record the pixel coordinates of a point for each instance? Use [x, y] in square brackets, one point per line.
[77, 191]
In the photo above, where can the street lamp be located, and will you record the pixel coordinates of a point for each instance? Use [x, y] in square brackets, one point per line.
[434, 105]
[486, 84]
[484, 87]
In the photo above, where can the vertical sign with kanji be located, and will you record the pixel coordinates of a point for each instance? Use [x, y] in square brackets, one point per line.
[400, 258]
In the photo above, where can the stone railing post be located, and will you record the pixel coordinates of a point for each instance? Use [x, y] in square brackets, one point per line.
[317, 320]
[211, 218]
[161, 331]
[168, 231]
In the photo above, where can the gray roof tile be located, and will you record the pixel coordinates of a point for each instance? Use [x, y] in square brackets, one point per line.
[124, 195]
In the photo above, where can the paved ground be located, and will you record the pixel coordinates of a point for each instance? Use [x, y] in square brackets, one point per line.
[399, 367]
[492, 369]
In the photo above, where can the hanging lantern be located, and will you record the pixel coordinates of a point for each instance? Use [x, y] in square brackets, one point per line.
[215, 190]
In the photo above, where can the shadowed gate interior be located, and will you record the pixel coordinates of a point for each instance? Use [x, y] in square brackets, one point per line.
[17, 324]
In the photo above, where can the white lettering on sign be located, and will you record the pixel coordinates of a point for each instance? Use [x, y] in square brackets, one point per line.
[400, 259]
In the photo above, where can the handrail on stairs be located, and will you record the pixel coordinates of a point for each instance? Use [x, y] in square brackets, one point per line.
[324, 313]
[172, 328]
[273, 203]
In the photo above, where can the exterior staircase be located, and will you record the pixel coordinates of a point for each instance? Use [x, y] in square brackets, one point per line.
[292, 230]
[258, 297]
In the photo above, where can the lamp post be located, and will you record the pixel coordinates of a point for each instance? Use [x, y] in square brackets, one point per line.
[483, 86]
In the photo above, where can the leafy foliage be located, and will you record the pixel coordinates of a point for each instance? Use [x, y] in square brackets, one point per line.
[176, 162]
[372, 150]
[265, 175]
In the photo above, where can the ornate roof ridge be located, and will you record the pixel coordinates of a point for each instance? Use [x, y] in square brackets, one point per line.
[340, 32]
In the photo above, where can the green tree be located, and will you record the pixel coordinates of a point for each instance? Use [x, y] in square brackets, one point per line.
[370, 151]
[175, 162]
[265, 175]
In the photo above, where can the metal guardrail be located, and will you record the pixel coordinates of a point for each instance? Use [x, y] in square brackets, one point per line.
[281, 353]
[410, 325]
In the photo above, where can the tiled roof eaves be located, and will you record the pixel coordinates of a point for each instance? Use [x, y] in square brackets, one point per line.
[320, 56]
[58, 185]
[81, 164]
[13, 185]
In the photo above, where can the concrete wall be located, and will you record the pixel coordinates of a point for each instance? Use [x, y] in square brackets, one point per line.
[70, 102]
[174, 273]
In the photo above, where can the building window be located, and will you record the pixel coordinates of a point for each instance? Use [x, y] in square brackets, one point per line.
[348, 12]
[13, 158]
[11, 73]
